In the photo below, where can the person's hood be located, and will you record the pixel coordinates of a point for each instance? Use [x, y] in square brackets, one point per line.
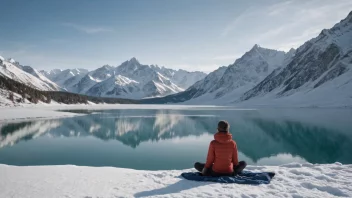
[223, 137]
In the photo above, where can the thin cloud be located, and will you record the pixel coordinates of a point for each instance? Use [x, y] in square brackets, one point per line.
[285, 24]
[241, 17]
[88, 29]
[279, 8]
[226, 57]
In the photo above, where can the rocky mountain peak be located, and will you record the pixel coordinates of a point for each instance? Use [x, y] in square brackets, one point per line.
[107, 67]
[11, 60]
[254, 49]
[292, 50]
[131, 64]
[133, 60]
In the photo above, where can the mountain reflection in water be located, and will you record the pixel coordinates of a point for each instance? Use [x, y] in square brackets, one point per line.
[259, 137]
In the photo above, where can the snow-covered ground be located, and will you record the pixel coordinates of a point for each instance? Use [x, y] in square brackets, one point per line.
[291, 180]
[18, 113]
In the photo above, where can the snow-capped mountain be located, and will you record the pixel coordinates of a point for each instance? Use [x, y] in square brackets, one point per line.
[39, 75]
[200, 88]
[66, 79]
[26, 75]
[316, 74]
[320, 71]
[209, 82]
[185, 79]
[131, 79]
[248, 70]
[182, 78]
[228, 83]
[92, 78]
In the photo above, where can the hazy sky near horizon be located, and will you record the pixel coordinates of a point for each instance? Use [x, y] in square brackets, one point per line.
[192, 35]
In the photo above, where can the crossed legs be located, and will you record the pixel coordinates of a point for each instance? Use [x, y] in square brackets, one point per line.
[236, 169]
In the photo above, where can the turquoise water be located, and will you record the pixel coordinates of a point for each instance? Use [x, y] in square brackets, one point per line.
[175, 139]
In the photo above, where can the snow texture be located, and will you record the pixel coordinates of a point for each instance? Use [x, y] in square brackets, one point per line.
[67, 79]
[134, 80]
[21, 113]
[40, 76]
[291, 180]
[30, 77]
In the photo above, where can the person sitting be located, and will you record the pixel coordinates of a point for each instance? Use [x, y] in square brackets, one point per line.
[222, 159]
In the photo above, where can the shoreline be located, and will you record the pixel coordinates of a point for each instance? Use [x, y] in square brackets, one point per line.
[43, 111]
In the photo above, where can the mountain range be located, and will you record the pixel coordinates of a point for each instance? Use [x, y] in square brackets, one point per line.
[318, 72]
[131, 79]
[228, 82]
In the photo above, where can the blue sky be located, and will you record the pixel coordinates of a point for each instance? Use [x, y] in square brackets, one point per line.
[193, 35]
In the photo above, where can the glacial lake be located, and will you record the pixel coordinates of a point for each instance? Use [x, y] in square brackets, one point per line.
[151, 139]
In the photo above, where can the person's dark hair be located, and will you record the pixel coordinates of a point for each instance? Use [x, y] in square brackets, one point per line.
[223, 126]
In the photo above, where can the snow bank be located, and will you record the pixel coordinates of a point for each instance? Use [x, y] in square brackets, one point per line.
[291, 180]
[47, 111]
[22, 113]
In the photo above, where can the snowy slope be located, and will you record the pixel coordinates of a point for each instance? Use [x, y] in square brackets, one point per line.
[319, 72]
[63, 75]
[243, 75]
[247, 71]
[333, 93]
[40, 76]
[291, 180]
[185, 79]
[208, 82]
[114, 86]
[15, 72]
[92, 78]
[228, 83]
[181, 78]
[200, 88]
[66, 79]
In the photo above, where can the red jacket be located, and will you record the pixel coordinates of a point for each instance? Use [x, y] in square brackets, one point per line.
[222, 154]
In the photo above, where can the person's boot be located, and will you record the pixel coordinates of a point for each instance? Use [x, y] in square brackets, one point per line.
[271, 175]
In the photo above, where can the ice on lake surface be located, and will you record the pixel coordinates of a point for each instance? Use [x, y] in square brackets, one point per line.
[174, 139]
